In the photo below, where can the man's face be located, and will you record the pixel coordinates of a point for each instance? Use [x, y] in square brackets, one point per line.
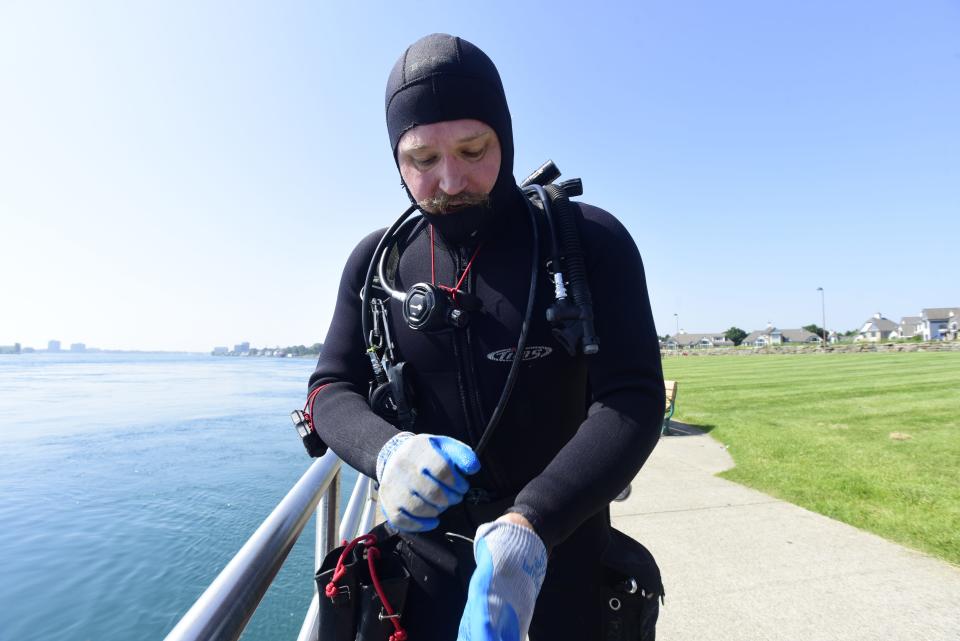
[449, 165]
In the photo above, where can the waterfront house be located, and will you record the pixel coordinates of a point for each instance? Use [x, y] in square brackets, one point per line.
[936, 323]
[908, 328]
[876, 329]
[774, 336]
[684, 340]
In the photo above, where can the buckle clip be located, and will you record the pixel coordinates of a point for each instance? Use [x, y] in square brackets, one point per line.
[478, 495]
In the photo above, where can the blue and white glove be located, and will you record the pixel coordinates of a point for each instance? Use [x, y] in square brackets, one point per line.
[420, 476]
[511, 564]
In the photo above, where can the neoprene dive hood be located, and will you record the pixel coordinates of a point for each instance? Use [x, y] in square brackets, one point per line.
[440, 78]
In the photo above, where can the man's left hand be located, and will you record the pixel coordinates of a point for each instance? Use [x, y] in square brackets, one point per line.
[511, 564]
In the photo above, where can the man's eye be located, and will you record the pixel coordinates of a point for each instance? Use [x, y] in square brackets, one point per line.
[474, 154]
[424, 162]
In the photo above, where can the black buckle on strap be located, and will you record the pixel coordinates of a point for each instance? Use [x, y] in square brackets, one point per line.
[478, 495]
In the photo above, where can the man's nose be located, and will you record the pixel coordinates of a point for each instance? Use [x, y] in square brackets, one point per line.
[453, 179]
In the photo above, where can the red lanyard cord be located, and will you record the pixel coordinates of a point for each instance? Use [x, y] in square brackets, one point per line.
[308, 406]
[433, 269]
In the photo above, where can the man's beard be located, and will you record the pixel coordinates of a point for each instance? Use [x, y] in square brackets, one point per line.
[443, 203]
[458, 218]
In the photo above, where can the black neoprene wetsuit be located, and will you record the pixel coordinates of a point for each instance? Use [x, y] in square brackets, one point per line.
[576, 429]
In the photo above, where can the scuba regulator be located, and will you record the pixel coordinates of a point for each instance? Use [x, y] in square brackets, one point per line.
[426, 308]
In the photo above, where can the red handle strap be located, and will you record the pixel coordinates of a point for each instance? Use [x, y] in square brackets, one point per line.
[339, 570]
[369, 541]
[399, 633]
[309, 405]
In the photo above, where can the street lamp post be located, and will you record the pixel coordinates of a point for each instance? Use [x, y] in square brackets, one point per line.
[677, 341]
[823, 312]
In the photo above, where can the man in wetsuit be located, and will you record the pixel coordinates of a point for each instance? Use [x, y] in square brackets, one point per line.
[576, 429]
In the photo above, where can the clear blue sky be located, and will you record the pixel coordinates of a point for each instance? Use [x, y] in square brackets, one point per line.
[180, 175]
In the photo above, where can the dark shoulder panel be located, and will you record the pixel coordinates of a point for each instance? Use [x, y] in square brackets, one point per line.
[602, 233]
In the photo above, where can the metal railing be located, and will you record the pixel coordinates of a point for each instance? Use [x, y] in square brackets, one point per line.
[225, 608]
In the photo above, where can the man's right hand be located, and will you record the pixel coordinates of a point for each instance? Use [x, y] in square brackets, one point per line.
[420, 476]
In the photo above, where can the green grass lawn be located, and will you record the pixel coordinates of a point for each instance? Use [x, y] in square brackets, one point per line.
[814, 429]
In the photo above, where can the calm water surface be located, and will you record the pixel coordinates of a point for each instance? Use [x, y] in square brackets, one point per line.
[127, 482]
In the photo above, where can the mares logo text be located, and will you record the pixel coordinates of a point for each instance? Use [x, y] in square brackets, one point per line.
[529, 353]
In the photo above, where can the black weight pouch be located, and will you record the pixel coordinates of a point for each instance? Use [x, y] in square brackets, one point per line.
[362, 590]
[632, 587]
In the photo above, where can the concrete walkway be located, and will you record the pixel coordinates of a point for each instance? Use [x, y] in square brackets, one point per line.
[740, 565]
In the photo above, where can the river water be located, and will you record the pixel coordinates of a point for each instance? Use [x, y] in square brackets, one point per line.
[127, 482]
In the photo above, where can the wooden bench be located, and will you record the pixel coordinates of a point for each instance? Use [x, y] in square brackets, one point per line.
[670, 387]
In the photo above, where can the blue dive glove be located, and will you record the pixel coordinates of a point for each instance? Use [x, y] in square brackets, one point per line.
[511, 564]
[420, 476]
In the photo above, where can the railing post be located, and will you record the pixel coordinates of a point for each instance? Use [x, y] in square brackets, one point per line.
[350, 523]
[327, 521]
[324, 541]
[369, 517]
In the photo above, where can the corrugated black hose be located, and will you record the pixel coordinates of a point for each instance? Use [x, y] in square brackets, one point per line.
[574, 264]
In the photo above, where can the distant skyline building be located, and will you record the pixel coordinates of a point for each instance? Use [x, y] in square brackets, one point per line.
[78, 347]
[242, 348]
[53, 346]
[220, 350]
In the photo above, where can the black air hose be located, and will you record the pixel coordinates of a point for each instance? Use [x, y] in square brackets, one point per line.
[574, 265]
[365, 314]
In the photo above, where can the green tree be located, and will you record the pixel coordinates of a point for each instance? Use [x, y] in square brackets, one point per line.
[735, 335]
[815, 329]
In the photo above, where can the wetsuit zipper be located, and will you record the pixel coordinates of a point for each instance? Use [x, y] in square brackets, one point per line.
[459, 348]
[471, 367]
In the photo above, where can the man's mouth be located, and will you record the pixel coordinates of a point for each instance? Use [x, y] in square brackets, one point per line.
[444, 204]
[456, 206]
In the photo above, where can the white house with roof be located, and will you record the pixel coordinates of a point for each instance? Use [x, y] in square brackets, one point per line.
[685, 340]
[939, 323]
[908, 328]
[774, 336]
[875, 329]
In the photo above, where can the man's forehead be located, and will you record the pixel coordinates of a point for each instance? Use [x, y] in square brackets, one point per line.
[441, 133]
